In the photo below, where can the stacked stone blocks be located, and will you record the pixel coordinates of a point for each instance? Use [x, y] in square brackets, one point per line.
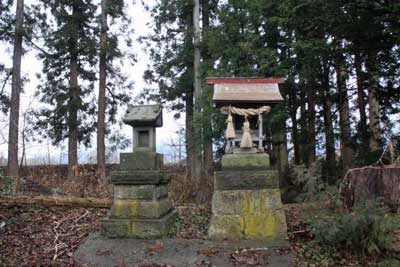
[246, 202]
[141, 207]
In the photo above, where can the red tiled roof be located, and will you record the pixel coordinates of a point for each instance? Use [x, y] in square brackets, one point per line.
[244, 80]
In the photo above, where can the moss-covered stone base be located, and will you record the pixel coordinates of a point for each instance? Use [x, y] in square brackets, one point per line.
[140, 192]
[245, 161]
[247, 214]
[125, 209]
[138, 228]
[236, 227]
[141, 160]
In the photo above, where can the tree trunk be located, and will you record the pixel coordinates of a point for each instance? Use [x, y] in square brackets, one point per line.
[293, 112]
[328, 125]
[311, 128]
[361, 103]
[283, 153]
[101, 150]
[73, 103]
[303, 136]
[372, 183]
[197, 166]
[15, 96]
[208, 148]
[23, 137]
[189, 107]
[190, 150]
[373, 103]
[344, 115]
[279, 146]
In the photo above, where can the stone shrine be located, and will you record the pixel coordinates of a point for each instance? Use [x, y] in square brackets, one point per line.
[141, 207]
[246, 202]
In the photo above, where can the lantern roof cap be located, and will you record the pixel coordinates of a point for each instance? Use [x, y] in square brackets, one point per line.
[144, 115]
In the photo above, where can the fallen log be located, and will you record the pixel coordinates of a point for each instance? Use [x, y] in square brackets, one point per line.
[56, 201]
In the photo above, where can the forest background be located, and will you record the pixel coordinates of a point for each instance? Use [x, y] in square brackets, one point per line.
[340, 60]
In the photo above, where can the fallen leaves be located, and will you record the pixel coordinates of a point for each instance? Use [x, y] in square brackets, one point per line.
[103, 251]
[209, 252]
[249, 257]
[153, 264]
[123, 263]
[193, 221]
[37, 236]
[156, 248]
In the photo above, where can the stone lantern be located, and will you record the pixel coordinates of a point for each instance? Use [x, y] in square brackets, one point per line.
[141, 207]
[144, 120]
[246, 202]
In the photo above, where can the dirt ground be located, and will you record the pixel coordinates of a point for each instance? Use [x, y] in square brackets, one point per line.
[38, 236]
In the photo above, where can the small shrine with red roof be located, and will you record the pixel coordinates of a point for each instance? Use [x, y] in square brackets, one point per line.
[245, 101]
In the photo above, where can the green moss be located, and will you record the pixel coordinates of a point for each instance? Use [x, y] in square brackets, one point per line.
[248, 214]
[270, 224]
[249, 161]
[261, 226]
[226, 227]
[243, 202]
[139, 209]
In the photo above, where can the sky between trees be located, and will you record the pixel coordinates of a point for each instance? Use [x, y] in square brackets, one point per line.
[140, 17]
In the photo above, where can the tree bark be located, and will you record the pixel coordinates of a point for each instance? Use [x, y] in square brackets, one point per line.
[73, 102]
[344, 115]
[293, 112]
[283, 153]
[371, 183]
[190, 150]
[328, 125]
[373, 103]
[101, 151]
[15, 96]
[303, 136]
[197, 164]
[23, 137]
[361, 103]
[279, 146]
[311, 128]
[189, 105]
[208, 148]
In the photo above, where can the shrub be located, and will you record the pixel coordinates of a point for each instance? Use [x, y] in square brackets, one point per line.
[368, 229]
[7, 185]
[389, 263]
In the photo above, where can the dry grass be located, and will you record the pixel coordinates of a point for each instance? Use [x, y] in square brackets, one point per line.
[53, 178]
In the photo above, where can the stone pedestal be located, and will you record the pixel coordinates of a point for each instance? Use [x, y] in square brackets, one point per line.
[141, 208]
[247, 203]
